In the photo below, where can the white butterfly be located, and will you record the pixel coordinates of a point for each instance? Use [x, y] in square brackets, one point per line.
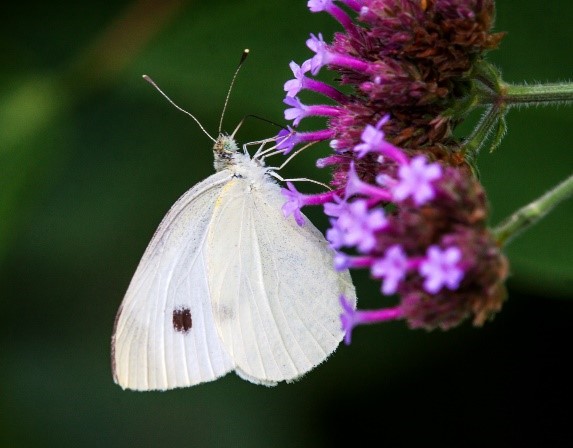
[228, 284]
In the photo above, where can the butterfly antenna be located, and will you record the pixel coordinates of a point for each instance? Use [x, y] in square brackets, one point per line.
[243, 57]
[150, 81]
[258, 118]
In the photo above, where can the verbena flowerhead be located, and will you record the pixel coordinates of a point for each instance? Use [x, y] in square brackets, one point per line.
[405, 203]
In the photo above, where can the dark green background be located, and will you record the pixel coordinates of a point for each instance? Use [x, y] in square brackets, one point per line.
[90, 160]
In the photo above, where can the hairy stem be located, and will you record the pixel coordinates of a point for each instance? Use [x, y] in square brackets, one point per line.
[512, 95]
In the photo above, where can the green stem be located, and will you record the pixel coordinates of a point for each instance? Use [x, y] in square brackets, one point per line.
[479, 136]
[512, 95]
[525, 217]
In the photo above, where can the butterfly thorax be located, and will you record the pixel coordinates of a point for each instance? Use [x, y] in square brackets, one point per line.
[227, 156]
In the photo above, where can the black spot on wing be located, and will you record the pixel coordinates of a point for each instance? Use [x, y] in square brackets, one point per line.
[182, 321]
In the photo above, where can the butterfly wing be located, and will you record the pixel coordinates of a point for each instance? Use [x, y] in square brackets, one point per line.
[164, 334]
[275, 292]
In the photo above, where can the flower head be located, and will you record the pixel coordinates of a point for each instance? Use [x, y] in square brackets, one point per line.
[405, 198]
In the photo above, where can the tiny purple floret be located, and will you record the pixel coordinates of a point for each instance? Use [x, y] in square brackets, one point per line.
[372, 138]
[415, 180]
[288, 138]
[441, 268]
[336, 207]
[341, 261]
[350, 317]
[392, 268]
[297, 112]
[300, 110]
[294, 203]
[356, 226]
[285, 140]
[347, 319]
[335, 235]
[319, 5]
[356, 186]
[293, 86]
[322, 55]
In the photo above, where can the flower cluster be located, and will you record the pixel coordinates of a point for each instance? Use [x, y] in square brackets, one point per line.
[404, 203]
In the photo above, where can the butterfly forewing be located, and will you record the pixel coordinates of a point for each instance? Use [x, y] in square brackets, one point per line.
[165, 335]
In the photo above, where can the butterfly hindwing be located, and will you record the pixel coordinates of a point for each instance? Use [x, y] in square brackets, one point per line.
[275, 293]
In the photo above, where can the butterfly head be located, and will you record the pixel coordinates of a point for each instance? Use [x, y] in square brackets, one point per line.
[224, 149]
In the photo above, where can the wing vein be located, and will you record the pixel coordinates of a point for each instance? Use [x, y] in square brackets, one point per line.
[261, 276]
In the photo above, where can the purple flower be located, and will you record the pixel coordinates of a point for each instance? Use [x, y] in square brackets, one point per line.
[372, 138]
[373, 141]
[356, 226]
[293, 86]
[347, 319]
[415, 179]
[327, 161]
[407, 60]
[385, 180]
[335, 235]
[297, 112]
[356, 186]
[287, 139]
[300, 82]
[300, 111]
[353, 183]
[392, 268]
[335, 208]
[441, 268]
[319, 5]
[322, 55]
[294, 203]
[332, 9]
[341, 261]
[350, 317]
